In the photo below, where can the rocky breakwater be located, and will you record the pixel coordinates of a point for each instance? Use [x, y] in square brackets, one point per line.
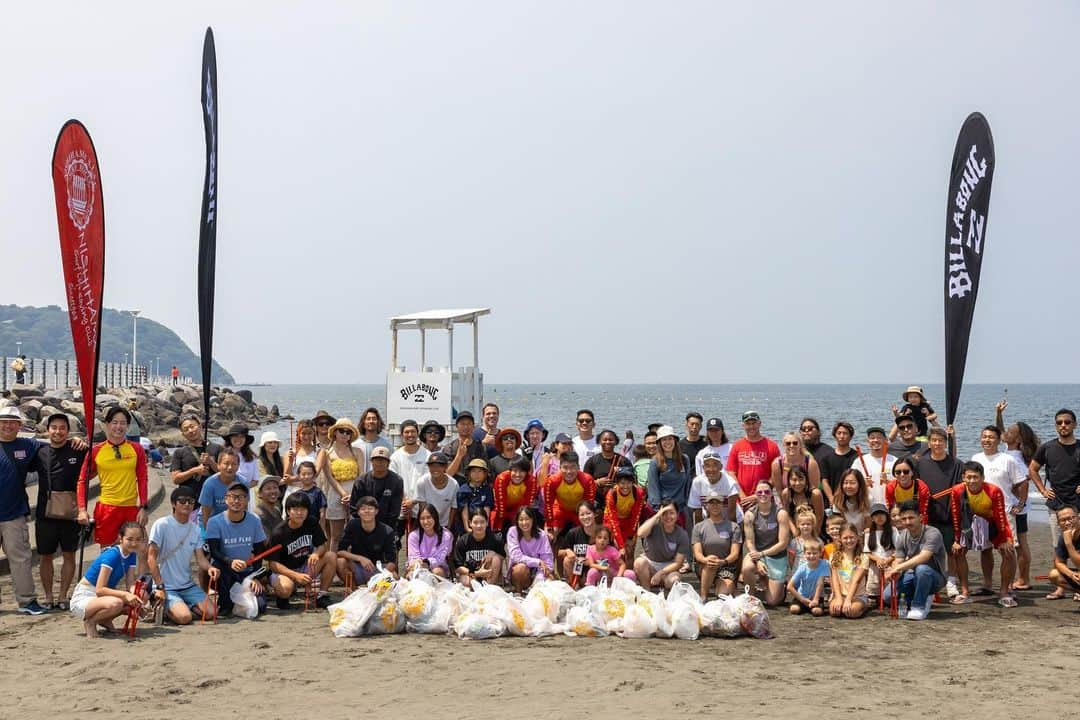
[157, 408]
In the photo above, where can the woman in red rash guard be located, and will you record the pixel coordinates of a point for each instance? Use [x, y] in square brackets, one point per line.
[514, 489]
[622, 511]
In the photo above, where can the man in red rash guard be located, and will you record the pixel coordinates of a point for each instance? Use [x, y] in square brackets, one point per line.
[973, 500]
[120, 466]
[622, 511]
[562, 493]
[751, 457]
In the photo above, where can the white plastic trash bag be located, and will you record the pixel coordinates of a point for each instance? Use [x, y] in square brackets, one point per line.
[657, 608]
[245, 601]
[720, 617]
[637, 623]
[387, 619]
[348, 617]
[418, 601]
[583, 622]
[477, 626]
[685, 621]
[753, 618]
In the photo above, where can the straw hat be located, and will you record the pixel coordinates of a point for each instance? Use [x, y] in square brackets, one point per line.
[343, 424]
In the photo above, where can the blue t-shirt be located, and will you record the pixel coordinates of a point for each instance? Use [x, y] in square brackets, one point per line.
[16, 459]
[118, 565]
[805, 578]
[212, 496]
[237, 538]
[176, 545]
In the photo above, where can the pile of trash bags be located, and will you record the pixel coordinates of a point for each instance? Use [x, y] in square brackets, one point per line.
[426, 603]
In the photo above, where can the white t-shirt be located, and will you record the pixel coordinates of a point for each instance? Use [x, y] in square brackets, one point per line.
[443, 500]
[411, 468]
[874, 483]
[176, 545]
[700, 487]
[722, 450]
[585, 449]
[1005, 472]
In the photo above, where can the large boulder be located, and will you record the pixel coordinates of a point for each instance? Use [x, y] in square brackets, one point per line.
[172, 436]
[72, 408]
[31, 409]
[27, 391]
[246, 394]
[107, 399]
[55, 396]
[234, 405]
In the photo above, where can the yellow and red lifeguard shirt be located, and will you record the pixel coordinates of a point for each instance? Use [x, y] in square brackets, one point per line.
[988, 503]
[121, 472]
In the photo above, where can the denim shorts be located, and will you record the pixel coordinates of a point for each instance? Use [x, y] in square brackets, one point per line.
[190, 596]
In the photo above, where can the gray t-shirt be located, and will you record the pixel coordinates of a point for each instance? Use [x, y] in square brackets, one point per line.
[663, 547]
[176, 545]
[908, 547]
[717, 538]
[443, 499]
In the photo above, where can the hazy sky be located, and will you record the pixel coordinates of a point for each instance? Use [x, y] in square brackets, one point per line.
[642, 192]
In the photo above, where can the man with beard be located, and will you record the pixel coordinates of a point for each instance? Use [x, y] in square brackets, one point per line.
[810, 432]
[940, 471]
[196, 461]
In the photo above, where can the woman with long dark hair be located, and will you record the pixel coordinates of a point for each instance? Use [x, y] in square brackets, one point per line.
[1021, 443]
[799, 491]
[429, 545]
[528, 551]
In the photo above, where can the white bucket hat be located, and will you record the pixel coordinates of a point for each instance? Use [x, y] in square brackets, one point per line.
[665, 431]
[268, 436]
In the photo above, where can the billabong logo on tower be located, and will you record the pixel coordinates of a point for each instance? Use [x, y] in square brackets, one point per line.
[420, 392]
[81, 184]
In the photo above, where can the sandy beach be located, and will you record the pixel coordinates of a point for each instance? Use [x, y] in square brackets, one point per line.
[979, 660]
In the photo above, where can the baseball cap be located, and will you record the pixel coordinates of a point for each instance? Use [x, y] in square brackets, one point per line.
[438, 459]
[563, 437]
[751, 415]
[380, 452]
[879, 508]
[713, 496]
[462, 415]
[714, 424]
[712, 456]
[625, 471]
[237, 486]
[875, 429]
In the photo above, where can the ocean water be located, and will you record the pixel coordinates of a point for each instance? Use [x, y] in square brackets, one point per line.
[782, 407]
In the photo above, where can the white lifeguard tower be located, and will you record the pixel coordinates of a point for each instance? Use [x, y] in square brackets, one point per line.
[425, 393]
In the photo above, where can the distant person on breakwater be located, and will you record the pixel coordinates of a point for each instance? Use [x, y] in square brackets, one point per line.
[19, 366]
[175, 375]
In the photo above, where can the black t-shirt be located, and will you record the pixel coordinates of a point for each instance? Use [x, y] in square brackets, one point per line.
[598, 466]
[691, 448]
[470, 552]
[1062, 463]
[187, 457]
[473, 452]
[577, 540]
[58, 469]
[387, 490]
[297, 544]
[834, 465]
[916, 451]
[939, 475]
[820, 451]
[379, 545]
[500, 464]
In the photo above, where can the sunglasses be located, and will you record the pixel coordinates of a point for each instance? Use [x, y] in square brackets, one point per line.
[186, 501]
[901, 472]
[584, 421]
[116, 451]
[323, 424]
[808, 428]
[906, 426]
[1063, 422]
[788, 443]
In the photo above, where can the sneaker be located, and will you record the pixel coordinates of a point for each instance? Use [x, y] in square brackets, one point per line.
[323, 601]
[950, 588]
[32, 608]
[283, 603]
[916, 614]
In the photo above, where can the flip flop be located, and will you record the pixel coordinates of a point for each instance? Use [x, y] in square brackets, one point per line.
[1007, 601]
[1076, 597]
[982, 592]
[960, 599]
[62, 605]
[1021, 588]
[1054, 596]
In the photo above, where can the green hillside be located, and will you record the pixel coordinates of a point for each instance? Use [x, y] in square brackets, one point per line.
[46, 333]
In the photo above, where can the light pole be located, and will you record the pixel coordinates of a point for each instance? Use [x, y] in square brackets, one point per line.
[157, 369]
[134, 337]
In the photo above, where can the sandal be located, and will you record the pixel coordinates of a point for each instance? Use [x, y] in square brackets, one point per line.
[1007, 601]
[960, 599]
[982, 592]
[1021, 588]
[63, 605]
[1056, 595]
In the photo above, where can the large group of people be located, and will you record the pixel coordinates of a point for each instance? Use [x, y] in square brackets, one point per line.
[820, 529]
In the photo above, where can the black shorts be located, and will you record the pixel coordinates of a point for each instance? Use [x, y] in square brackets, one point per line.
[50, 533]
[1021, 524]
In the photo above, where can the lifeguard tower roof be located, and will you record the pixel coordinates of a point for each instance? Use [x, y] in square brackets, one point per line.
[436, 319]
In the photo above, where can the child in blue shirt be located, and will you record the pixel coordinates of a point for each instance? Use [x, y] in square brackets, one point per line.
[807, 585]
[317, 497]
[475, 496]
